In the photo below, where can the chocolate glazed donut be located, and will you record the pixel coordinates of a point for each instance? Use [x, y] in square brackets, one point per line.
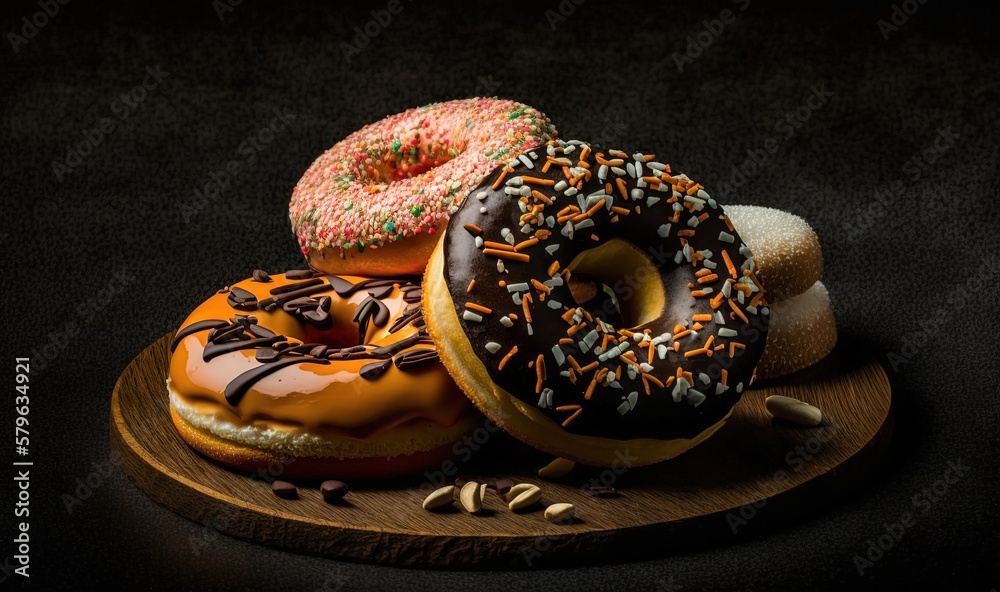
[684, 281]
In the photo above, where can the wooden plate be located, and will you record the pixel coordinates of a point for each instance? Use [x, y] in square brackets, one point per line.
[755, 473]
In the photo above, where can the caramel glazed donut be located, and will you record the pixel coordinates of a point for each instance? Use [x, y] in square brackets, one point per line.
[334, 373]
[557, 376]
[374, 203]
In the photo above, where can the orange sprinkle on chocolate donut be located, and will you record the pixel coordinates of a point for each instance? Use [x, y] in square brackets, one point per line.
[585, 357]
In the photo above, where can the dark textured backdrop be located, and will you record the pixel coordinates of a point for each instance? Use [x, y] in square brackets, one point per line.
[106, 246]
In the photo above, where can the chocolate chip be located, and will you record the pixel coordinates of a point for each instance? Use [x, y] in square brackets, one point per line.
[300, 274]
[601, 491]
[284, 489]
[333, 490]
[504, 485]
[259, 275]
[318, 318]
[374, 370]
[266, 355]
[380, 292]
[318, 352]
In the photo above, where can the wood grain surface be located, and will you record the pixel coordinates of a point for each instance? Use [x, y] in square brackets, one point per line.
[753, 475]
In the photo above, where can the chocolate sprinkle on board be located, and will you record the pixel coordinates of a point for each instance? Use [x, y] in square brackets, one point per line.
[601, 491]
[259, 275]
[284, 489]
[375, 369]
[503, 486]
[333, 490]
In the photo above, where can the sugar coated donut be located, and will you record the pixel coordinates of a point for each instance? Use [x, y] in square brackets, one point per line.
[374, 203]
[802, 332]
[784, 246]
[555, 374]
[790, 264]
[331, 376]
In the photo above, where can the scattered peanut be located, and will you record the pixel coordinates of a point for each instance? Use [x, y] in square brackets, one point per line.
[556, 469]
[793, 410]
[526, 498]
[517, 490]
[440, 498]
[471, 496]
[561, 513]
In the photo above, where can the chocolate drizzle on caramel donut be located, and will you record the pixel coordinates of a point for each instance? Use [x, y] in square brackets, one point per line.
[305, 301]
[195, 328]
[240, 299]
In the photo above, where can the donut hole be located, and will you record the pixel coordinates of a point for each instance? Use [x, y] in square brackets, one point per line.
[626, 275]
[413, 155]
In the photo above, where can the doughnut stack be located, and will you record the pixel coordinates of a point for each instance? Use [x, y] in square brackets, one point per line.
[803, 330]
[442, 244]
[329, 371]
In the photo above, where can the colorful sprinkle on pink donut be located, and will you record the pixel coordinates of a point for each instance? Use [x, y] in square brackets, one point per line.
[400, 176]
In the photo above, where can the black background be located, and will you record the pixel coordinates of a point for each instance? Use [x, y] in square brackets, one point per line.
[909, 236]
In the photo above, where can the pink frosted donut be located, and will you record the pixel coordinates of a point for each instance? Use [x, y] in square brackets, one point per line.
[375, 203]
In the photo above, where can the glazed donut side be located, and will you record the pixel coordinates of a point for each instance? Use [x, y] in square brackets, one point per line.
[508, 329]
[377, 201]
[336, 372]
